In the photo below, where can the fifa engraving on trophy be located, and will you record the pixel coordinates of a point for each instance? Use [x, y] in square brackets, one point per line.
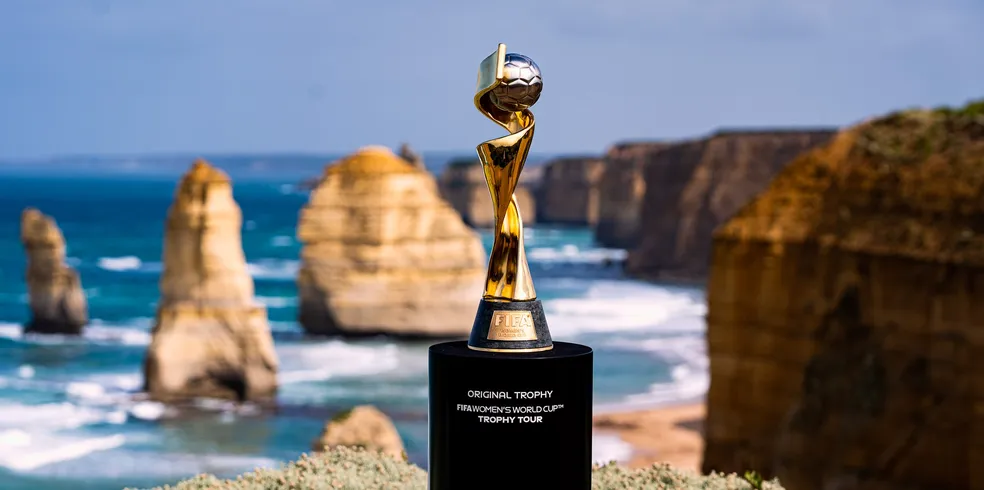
[512, 325]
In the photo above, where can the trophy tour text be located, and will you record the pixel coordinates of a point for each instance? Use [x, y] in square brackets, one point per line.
[508, 414]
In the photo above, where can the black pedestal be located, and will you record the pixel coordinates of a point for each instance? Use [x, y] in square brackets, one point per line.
[510, 421]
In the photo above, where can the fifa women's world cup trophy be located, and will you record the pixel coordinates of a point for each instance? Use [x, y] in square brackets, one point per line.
[509, 408]
[510, 318]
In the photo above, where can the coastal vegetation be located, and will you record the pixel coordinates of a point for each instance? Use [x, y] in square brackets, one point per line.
[345, 468]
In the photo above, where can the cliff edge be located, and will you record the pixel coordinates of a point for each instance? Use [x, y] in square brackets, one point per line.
[568, 192]
[694, 186]
[844, 316]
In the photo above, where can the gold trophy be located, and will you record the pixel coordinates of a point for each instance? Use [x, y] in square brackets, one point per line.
[510, 318]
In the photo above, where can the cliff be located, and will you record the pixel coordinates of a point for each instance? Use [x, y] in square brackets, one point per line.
[345, 468]
[694, 186]
[57, 301]
[463, 186]
[568, 192]
[621, 189]
[844, 320]
[384, 254]
[210, 338]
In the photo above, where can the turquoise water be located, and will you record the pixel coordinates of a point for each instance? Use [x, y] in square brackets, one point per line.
[68, 418]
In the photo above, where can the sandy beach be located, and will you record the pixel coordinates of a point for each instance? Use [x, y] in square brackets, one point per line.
[670, 434]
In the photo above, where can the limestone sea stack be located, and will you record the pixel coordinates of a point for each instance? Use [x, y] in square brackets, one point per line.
[692, 187]
[845, 313]
[383, 253]
[568, 192]
[463, 186]
[211, 338]
[57, 301]
[363, 426]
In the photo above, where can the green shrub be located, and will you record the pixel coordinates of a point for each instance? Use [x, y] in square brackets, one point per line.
[357, 469]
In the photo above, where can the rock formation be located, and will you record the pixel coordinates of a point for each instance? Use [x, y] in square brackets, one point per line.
[692, 187]
[844, 313]
[620, 192]
[384, 254]
[58, 303]
[568, 192]
[211, 338]
[407, 153]
[363, 426]
[463, 186]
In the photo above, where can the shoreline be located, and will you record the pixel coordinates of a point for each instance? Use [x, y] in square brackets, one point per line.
[662, 432]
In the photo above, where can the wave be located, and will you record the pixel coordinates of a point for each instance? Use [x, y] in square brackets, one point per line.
[571, 254]
[610, 306]
[126, 263]
[58, 441]
[664, 322]
[134, 332]
[689, 369]
[38, 435]
[61, 440]
[607, 447]
[323, 360]
[277, 301]
[23, 452]
[143, 465]
[51, 416]
[276, 269]
[356, 370]
[33, 436]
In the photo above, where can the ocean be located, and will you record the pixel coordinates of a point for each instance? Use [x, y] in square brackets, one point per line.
[68, 419]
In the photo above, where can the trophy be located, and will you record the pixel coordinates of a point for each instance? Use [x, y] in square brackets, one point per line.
[509, 318]
[509, 408]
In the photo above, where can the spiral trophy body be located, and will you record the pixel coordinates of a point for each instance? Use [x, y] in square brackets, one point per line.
[509, 318]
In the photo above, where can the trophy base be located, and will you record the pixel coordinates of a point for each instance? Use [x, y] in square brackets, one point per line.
[510, 326]
[517, 421]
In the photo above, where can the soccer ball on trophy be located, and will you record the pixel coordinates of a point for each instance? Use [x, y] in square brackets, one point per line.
[521, 84]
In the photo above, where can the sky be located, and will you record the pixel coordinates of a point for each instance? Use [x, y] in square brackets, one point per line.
[324, 76]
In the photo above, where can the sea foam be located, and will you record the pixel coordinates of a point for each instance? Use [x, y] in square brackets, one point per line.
[126, 263]
[322, 360]
[277, 301]
[612, 306]
[133, 332]
[276, 269]
[33, 436]
[575, 255]
[689, 371]
[609, 447]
